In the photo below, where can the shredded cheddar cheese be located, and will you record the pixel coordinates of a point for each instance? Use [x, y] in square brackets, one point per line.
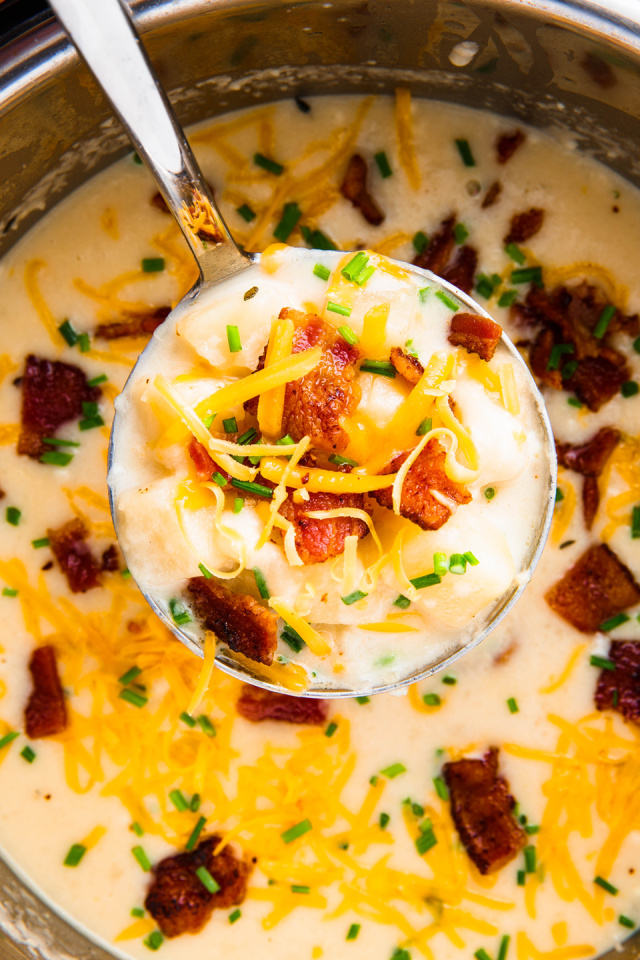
[316, 643]
[404, 133]
[271, 402]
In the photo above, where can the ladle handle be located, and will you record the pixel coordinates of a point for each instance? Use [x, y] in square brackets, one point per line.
[103, 33]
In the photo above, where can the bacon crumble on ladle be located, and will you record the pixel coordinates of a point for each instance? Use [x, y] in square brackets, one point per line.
[46, 712]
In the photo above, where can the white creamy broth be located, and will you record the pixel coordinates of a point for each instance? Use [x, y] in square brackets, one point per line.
[98, 236]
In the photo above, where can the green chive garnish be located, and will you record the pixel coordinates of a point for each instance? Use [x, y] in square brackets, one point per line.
[267, 164]
[384, 820]
[195, 833]
[256, 488]
[28, 754]
[609, 887]
[246, 213]
[574, 402]
[527, 275]
[507, 298]
[137, 829]
[296, 831]
[8, 592]
[342, 461]
[137, 912]
[363, 700]
[347, 334]
[353, 931]
[432, 700]
[393, 771]
[569, 369]
[44, 542]
[130, 675]
[292, 638]
[55, 442]
[135, 699]
[635, 523]
[353, 597]
[238, 504]
[384, 368]
[614, 622]
[206, 726]
[441, 788]
[428, 580]
[556, 352]
[230, 425]
[90, 408]
[626, 921]
[531, 830]
[234, 916]
[482, 954]
[471, 559]
[513, 250]
[355, 266]
[205, 573]
[513, 706]
[8, 738]
[12, 516]
[465, 153]
[460, 234]
[248, 437]
[402, 602]
[207, 880]
[321, 271]
[457, 564]
[68, 333]
[194, 805]
[331, 729]
[425, 427]
[605, 319]
[317, 239]
[56, 458]
[504, 946]
[219, 478]
[484, 286]
[261, 584]
[75, 855]
[290, 216]
[179, 612]
[153, 264]
[530, 859]
[521, 878]
[489, 493]
[92, 422]
[300, 888]
[233, 339]
[427, 838]
[101, 378]
[154, 941]
[440, 564]
[601, 662]
[337, 308]
[629, 389]
[383, 164]
[449, 680]
[420, 241]
[422, 294]
[209, 420]
[84, 343]
[190, 722]
[447, 300]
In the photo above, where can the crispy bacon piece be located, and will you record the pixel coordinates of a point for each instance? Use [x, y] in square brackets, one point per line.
[319, 540]
[619, 689]
[476, 334]
[408, 367]
[178, 900]
[256, 705]
[525, 225]
[589, 459]
[461, 271]
[597, 380]
[110, 559]
[482, 810]
[46, 713]
[136, 325]
[52, 393]
[74, 556]
[236, 618]
[354, 188]
[438, 252]
[492, 194]
[507, 144]
[426, 476]
[205, 466]
[597, 588]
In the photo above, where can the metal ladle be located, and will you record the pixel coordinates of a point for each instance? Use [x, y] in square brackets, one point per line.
[103, 33]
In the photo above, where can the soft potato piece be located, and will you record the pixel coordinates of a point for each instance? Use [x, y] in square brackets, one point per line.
[493, 430]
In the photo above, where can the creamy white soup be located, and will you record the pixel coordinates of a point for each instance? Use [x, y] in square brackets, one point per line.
[359, 832]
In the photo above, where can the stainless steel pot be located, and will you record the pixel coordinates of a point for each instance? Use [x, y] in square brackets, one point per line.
[568, 64]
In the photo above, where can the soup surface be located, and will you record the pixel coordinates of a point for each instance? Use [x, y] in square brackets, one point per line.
[345, 821]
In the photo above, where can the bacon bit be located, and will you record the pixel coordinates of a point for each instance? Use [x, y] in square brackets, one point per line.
[596, 381]
[597, 588]
[74, 555]
[589, 459]
[505, 655]
[52, 394]
[482, 810]
[46, 712]
[2, 494]
[492, 194]
[319, 540]
[590, 500]
[110, 559]
[354, 188]
[507, 144]
[426, 474]
[258, 705]
[408, 367]
[525, 225]
[158, 201]
[462, 269]
[178, 900]
[437, 256]
[235, 618]
[205, 466]
[136, 325]
[476, 334]
[624, 681]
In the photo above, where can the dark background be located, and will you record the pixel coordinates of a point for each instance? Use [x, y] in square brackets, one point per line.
[14, 13]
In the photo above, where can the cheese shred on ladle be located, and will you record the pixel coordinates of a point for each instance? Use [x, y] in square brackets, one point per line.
[331, 471]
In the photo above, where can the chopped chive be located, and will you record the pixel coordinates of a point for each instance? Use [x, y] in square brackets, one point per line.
[465, 153]
[609, 887]
[383, 368]
[383, 820]
[402, 602]
[441, 788]
[629, 389]
[321, 271]
[394, 770]
[137, 912]
[135, 699]
[91, 422]
[373, 780]
[230, 425]
[292, 638]
[291, 213]
[425, 427]
[8, 592]
[300, 888]
[614, 622]
[84, 343]
[417, 809]
[556, 352]
[362, 700]
[68, 333]
[471, 559]
[331, 729]
[101, 378]
[235, 915]
[261, 584]
[195, 833]
[428, 580]
[206, 726]
[137, 829]
[8, 738]
[347, 334]
[449, 680]
[364, 275]
[296, 831]
[56, 458]
[447, 300]
[426, 840]
[531, 830]
[179, 612]
[136, 159]
[75, 855]
[233, 339]
[421, 242]
[569, 369]
[179, 801]
[432, 699]
[353, 597]
[154, 941]
[142, 858]
[153, 264]
[219, 478]
[626, 921]
[482, 954]
[342, 461]
[513, 706]
[209, 420]
[574, 402]
[246, 213]
[256, 488]
[383, 164]
[302, 105]
[55, 442]
[460, 233]
[44, 542]
[527, 275]
[238, 504]
[440, 564]
[125, 574]
[489, 493]
[286, 441]
[190, 722]
[484, 286]
[194, 803]
[267, 164]
[601, 662]
[422, 294]
[521, 878]
[205, 573]
[12, 516]
[355, 266]
[504, 946]
[207, 880]
[636, 345]
[337, 308]
[507, 298]
[603, 323]
[317, 239]
[530, 859]
[513, 250]
[614, 699]
[248, 437]
[457, 564]
[635, 523]
[130, 675]
[28, 754]
[353, 931]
